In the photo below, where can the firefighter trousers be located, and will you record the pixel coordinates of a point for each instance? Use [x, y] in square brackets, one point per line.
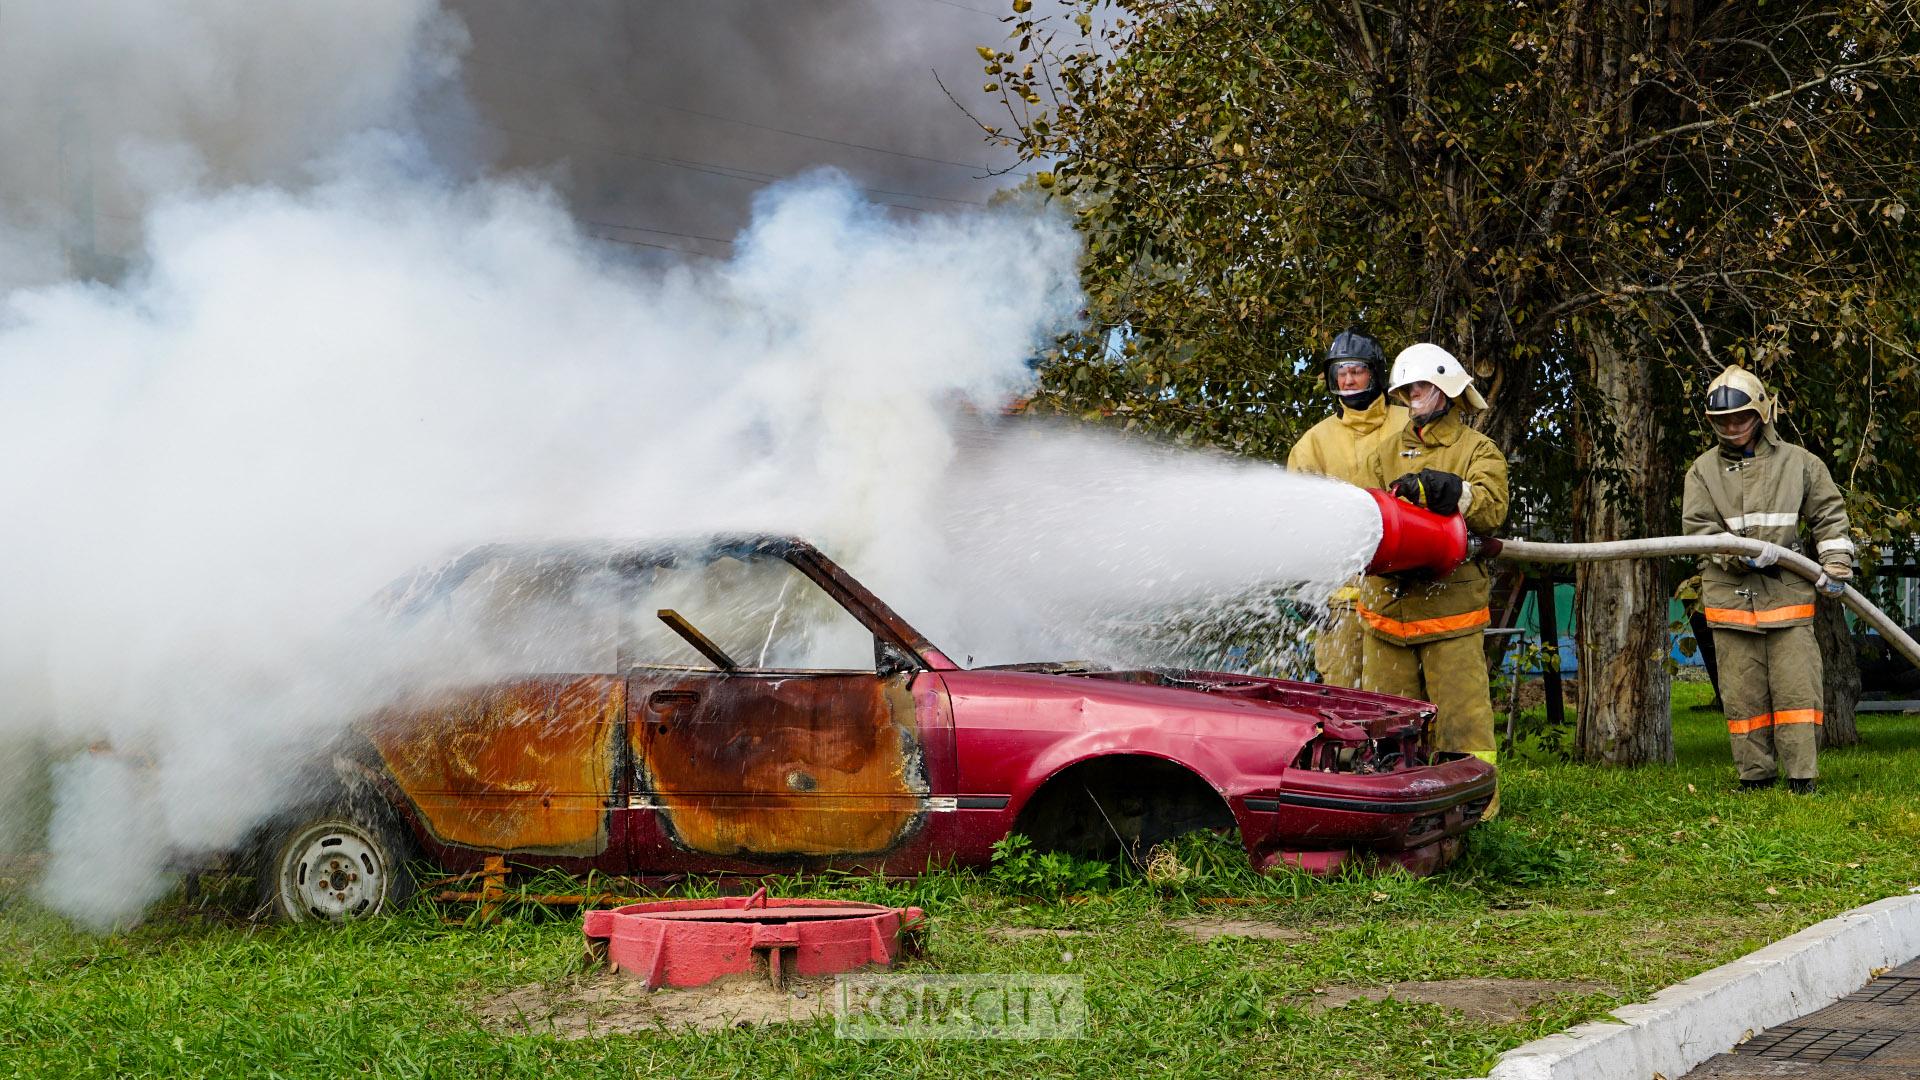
[1337, 647]
[1451, 673]
[1770, 687]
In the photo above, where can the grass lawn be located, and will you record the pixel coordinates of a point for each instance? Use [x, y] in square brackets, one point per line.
[1622, 881]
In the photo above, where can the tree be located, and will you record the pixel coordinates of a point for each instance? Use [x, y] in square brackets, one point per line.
[1595, 204]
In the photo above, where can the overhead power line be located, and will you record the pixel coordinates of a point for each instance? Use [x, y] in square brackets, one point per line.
[751, 176]
[661, 232]
[646, 244]
[967, 7]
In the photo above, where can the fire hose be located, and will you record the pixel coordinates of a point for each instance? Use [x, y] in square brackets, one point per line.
[1414, 538]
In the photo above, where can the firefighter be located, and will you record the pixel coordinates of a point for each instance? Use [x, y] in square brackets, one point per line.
[1423, 634]
[1338, 446]
[1755, 484]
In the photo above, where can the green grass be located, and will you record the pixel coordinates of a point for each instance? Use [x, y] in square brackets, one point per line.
[1631, 880]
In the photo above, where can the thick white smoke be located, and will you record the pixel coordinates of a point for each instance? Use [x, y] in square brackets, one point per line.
[299, 391]
[304, 395]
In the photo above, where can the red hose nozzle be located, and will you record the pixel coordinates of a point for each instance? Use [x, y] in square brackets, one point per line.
[1415, 539]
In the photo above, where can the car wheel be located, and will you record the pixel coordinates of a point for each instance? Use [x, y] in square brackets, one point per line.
[330, 866]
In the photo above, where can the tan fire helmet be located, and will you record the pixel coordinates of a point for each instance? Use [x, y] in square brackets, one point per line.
[1427, 362]
[1737, 390]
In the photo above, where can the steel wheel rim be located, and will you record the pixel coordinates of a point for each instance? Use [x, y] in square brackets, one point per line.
[333, 871]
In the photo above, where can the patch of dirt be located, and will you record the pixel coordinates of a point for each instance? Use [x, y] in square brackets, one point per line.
[1206, 928]
[1533, 693]
[1024, 933]
[1702, 938]
[1499, 1001]
[20, 870]
[607, 1003]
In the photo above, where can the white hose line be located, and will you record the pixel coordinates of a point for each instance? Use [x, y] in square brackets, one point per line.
[1719, 544]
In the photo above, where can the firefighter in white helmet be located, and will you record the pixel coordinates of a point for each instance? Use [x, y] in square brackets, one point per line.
[1338, 446]
[1754, 484]
[1423, 634]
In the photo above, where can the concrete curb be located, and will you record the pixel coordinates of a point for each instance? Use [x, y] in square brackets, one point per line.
[1709, 1014]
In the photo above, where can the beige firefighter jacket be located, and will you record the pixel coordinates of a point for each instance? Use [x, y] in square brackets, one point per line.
[1406, 610]
[1766, 495]
[1338, 447]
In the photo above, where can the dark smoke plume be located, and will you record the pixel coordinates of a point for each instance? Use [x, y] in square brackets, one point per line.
[665, 118]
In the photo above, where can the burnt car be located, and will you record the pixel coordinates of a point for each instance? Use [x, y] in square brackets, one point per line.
[744, 706]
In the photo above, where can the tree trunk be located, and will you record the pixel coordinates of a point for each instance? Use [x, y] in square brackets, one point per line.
[1840, 667]
[1626, 692]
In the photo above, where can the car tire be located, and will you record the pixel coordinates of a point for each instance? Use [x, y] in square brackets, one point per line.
[333, 865]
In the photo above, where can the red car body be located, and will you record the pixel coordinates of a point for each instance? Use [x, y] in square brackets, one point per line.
[653, 769]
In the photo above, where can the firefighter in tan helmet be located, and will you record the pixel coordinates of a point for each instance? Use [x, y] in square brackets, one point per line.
[1423, 634]
[1338, 447]
[1757, 485]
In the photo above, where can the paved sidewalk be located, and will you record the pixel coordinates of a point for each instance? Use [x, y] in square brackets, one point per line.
[1871, 1034]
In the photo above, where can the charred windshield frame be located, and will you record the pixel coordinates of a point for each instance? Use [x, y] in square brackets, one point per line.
[897, 645]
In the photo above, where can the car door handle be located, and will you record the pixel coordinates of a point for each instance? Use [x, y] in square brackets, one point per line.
[662, 700]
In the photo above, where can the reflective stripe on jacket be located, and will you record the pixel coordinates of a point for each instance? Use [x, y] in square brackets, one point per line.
[1767, 496]
[1406, 610]
[1339, 446]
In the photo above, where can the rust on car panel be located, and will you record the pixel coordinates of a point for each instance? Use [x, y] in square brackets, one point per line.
[523, 766]
[772, 764]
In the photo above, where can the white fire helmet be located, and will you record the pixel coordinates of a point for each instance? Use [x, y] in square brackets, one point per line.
[1737, 390]
[1427, 362]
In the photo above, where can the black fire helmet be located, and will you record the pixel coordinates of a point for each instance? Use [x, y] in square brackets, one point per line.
[1354, 344]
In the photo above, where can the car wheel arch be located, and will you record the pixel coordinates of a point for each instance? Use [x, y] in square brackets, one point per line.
[1100, 804]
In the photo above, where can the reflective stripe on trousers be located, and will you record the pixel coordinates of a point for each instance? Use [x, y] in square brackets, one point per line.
[1770, 681]
[1719, 616]
[1776, 719]
[1422, 627]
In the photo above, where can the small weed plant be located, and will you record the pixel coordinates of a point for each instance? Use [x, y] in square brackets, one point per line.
[1500, 853]
[1046, 874]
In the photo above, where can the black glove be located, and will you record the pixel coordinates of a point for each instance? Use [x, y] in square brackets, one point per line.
[1437, 491]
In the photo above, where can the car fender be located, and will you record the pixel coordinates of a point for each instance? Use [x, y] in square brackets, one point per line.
[1092, 746]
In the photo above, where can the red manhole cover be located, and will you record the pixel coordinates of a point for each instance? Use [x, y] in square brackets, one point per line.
[692, 942]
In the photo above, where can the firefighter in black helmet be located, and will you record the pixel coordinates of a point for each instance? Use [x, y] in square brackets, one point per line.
[1338, 446]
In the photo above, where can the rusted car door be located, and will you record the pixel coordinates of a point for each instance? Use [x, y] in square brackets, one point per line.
[751, 769]
[529, 766]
